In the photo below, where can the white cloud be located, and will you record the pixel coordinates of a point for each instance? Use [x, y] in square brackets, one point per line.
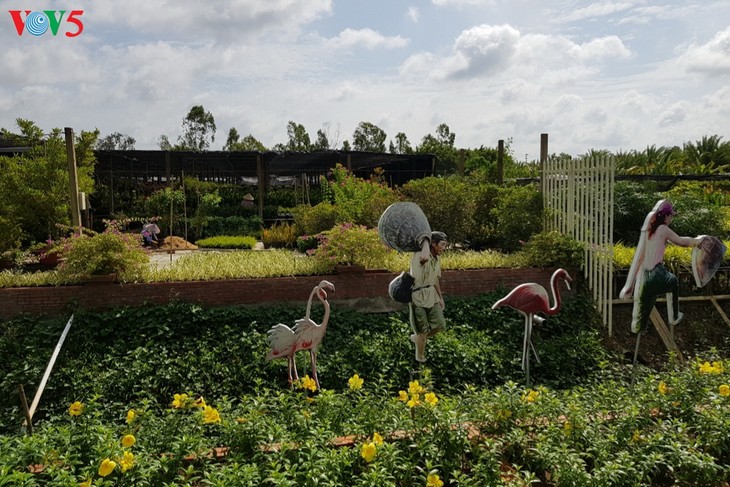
[712, 58]
[461, 3]
[219, 20]
[674, 114]
[595, 10]
[367, 38]
[413, 14]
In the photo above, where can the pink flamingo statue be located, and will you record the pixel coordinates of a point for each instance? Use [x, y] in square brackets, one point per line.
[305, 335]
[529, 299]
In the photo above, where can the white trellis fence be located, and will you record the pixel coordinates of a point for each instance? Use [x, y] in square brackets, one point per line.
[578, 199]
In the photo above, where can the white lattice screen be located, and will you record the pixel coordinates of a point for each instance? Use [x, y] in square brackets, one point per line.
[578, 199]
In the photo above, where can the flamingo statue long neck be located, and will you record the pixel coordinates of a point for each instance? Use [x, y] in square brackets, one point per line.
[322, 295]
[309, 302]
[556, 294]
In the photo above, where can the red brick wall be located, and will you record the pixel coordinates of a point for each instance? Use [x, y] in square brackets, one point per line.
[350, 286]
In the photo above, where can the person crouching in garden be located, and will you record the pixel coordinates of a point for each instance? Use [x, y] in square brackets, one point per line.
[427, 301]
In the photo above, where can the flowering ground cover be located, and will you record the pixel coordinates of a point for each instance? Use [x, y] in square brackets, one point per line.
[180, 395]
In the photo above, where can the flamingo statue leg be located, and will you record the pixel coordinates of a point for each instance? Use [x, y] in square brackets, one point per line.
[525, 339]
[313, 357]
[293, 373]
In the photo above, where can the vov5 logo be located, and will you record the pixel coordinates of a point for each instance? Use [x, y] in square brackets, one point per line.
[38, 23]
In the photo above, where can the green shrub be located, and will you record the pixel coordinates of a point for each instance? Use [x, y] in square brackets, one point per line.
[103, 253]
[448, 203]
[696, 217]
[315, 219]
[305, 243]
[349, 244]
[360, 201]
[517, 215]
[281, 235]
[631, 202]
[484, 231]
[227, 242]
[553, 249]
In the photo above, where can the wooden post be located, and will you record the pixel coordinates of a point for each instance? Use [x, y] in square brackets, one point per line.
[500, 162]
[73, 180]
[261, 175]
[26, 411]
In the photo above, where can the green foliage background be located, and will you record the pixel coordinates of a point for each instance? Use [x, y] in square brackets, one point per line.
[150, 353]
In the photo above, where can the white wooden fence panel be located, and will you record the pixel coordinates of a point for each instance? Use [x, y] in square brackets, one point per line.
[578, 202]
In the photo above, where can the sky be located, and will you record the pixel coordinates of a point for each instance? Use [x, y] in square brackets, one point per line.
[594, 75]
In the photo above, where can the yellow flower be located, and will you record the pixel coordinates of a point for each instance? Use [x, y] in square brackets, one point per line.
[368, 451]
[308, 383]
[200, 403]
[75, 408]
[531, 396]
[179, 401]
[85, 483]
[725, 390]
[713, 368]
[128, 441]
[431, 399]
[662, 388]
[210, 415]
[414, 388]
[130, 416]
[377, 439]
[107, 466]
[355, 382]
[127, 461]
[415, 401]
[434, 480]
[403, 396]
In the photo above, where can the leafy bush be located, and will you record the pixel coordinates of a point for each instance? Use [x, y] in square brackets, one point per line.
[109, 252]
[227, 242]
[360, 201]
[484, 231]
[518, 215]
[350, 244]
[553, 249]
[305, 243]
[631, 202]
[448, 203]
[315, 219]
[281, 235]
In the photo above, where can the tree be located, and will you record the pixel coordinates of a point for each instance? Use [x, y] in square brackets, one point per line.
[116, 141]
[322, 143]
[34, 187]
[250, 143]
[442, 146]
[707, 156]
[368, 138]
[232, 139]
[298, 138]
[401, 145]
[198, 130]
[247, 144]
[164, 143]
[346, 146]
